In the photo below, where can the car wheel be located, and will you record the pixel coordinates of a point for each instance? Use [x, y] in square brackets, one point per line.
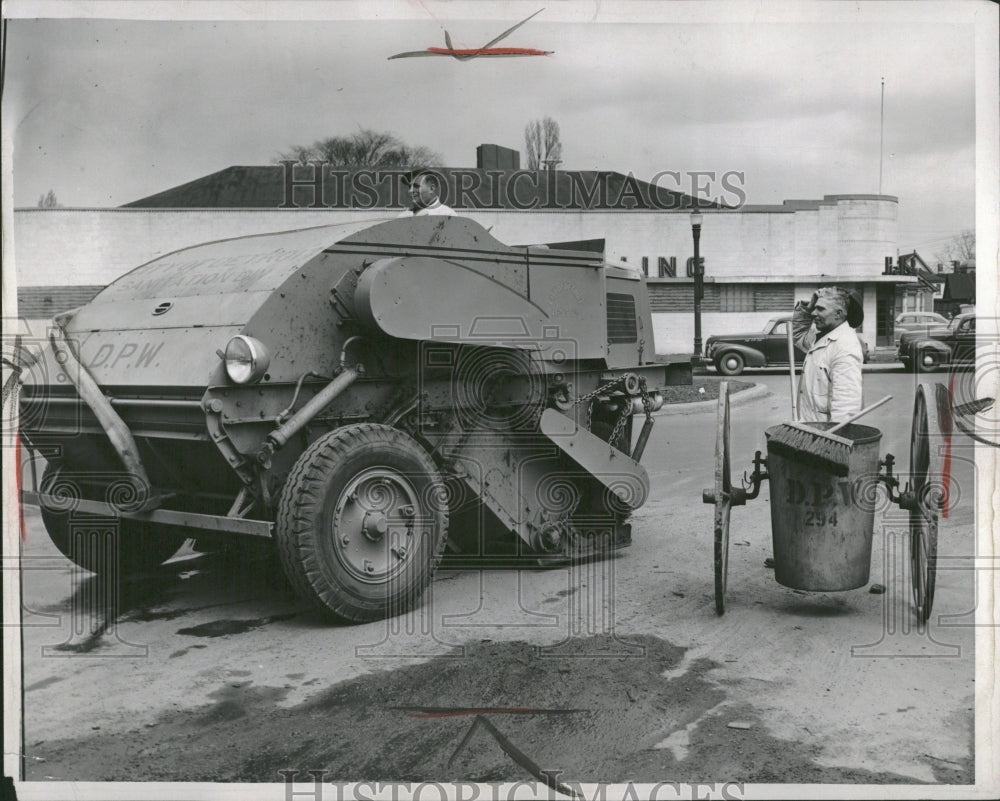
[730, 363]
[362, 522]
[928, 360]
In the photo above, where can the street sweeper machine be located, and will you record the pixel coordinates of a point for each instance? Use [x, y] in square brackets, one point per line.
[362, 396]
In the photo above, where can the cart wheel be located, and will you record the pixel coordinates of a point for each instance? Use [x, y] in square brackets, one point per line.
[723, 498]
[931, 424]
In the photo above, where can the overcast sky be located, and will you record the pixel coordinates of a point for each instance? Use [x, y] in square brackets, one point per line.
[108, 111]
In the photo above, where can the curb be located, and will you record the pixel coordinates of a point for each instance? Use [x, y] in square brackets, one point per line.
[871, 366]
[867, 367]
[755, 392]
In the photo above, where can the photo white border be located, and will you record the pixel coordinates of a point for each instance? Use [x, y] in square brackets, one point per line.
[980, 13]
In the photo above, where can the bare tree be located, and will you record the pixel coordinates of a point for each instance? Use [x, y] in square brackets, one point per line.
[960, 248]
[366, 148]
[300, 153]
[542, 143]
[48, 201]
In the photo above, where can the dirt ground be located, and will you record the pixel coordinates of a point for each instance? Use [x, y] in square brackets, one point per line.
[580, 719]
[226, 677]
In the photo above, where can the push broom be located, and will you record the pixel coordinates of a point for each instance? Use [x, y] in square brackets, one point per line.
[823, 449]
[804, 443]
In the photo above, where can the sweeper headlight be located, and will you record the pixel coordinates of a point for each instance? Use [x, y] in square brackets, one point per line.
[246, 359]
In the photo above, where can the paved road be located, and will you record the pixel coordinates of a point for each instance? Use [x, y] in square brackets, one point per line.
[841, 683]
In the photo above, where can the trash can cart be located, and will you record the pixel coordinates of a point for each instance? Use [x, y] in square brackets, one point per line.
[822, 522]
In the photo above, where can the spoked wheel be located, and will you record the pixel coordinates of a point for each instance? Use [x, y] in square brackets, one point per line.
[722, 496]
[931, 425]
[362, 522]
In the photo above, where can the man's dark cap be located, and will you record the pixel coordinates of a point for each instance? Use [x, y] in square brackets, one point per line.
[855, 311]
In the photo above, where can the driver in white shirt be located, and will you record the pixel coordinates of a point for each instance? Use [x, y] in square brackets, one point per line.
[425, 191]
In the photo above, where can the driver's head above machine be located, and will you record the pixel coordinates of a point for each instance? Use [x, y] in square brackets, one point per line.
[425, 194]
[831, 305]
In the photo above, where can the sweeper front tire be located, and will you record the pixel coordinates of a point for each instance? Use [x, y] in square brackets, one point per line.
[931, 426]
[101, 544]
[362, 523]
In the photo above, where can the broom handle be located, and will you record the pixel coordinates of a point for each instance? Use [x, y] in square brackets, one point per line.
[791, 376]
[862, 413]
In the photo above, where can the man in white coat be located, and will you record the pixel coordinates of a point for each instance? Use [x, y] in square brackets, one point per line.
[830, 385]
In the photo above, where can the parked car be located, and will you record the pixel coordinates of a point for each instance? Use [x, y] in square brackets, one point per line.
[732, 353]
[917, 321]
[954, 343]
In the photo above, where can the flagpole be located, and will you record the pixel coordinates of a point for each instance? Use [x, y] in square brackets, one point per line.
[881, 135]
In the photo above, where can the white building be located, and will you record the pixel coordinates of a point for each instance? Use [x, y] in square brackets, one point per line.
[758, 259]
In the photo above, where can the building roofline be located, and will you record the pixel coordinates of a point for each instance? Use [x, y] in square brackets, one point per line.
[893, 198]
[816, 278]
[748, 209]
[791, 206]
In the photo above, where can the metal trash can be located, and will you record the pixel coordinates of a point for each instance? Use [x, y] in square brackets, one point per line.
[822, 524]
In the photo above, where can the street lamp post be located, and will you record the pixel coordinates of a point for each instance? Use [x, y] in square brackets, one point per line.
[699, 286]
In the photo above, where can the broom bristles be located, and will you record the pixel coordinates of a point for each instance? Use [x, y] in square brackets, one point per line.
[812, 446]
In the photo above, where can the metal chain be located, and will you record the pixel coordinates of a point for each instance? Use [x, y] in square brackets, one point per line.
[647, 402]
[605, 388]
[626, 413]
[620, 425]
[591, 395]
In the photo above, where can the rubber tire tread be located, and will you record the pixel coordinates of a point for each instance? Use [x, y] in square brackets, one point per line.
[294, 530]
[937, 404]
[720, 360]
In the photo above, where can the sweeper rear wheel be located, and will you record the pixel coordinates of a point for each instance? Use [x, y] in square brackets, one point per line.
[929, 436]
[722, 496]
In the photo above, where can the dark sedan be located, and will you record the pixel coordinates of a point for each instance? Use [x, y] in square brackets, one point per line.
[732, 353]
[951, 344]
